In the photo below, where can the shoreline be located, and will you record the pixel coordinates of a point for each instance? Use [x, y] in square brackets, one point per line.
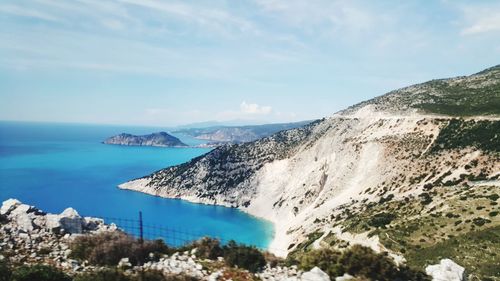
[139, 185]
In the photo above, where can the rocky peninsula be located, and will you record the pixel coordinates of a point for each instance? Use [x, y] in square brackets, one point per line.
[161, 139]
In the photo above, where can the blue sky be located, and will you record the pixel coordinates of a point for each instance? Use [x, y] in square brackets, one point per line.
[174, 62]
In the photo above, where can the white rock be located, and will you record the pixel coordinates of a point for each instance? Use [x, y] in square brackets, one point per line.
[446, 270]
[23, 215]
[344, 277]
[69, 220]
[124, 263]
[315, 274]
[9, 205]
[214, 276]
[25, 222]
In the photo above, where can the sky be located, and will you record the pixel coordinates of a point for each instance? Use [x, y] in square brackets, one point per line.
[166, 63]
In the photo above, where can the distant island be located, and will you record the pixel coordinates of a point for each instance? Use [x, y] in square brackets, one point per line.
[162, 139]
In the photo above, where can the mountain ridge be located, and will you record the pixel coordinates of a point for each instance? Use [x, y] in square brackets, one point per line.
[238, 134]
[331, 183]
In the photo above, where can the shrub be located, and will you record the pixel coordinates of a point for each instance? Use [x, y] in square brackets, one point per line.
[116, 275]
[425, 198]
[207, 248]
[272, 260]
[151, 275]
[108, 248]
[480, 221]
[39, 272]
[325, 259]
[5, 271]
[358, 261]
[243, 256]
[363, 261]
[493, 197]
[103, 275]
[381, 219]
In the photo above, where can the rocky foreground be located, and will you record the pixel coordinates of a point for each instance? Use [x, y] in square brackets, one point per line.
[31, 236]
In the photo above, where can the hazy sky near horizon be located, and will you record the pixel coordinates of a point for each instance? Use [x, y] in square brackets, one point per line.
[175, 62]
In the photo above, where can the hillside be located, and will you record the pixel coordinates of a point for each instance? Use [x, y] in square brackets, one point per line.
[474, 95]
[414, 172]
[238, 134]
[154, 139]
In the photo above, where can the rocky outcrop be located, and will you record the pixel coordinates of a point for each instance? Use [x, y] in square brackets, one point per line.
[446, 270]
[315, 274]
[156, 139]
[29, 219]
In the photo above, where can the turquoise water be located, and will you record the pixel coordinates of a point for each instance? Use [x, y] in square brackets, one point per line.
[55, 166]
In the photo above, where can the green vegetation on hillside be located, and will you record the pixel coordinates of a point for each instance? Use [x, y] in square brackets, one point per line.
[459, 133]
[478, 250]
[458, 99]
[357, 261]
[460, 223]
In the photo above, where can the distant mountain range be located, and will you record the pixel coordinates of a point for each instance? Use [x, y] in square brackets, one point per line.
[238, 134]
[155, 139]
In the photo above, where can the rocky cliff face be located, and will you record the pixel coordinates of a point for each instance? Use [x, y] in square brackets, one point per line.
[155, 139]
[409, 172]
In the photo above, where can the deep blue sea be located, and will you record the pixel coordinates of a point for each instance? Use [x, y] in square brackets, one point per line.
[55, 166]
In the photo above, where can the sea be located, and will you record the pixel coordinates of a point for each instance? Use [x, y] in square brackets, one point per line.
[54, 166]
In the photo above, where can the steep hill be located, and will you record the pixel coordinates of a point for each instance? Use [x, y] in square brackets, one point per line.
[474, 95]
[414, 172]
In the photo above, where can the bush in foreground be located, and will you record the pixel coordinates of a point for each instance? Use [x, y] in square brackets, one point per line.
[5, 271]
[234, 254]
[117, 275]
[108, 248]
[208, 248]
[243, 256]
[358, 261]
[38, 272]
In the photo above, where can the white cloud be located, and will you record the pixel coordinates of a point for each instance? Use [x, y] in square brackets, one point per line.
[478, 18]
[218, 20]
[486, 23]
[253, 108]
[23, 12]
[321, 15]
[247, 111]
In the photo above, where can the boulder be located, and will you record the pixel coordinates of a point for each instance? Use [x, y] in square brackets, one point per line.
[69, 221]
[23, 215]
[92, 223]
[446, 270]
[315, 274]
[8, 206]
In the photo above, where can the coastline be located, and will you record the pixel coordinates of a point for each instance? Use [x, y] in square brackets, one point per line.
[274, 246]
